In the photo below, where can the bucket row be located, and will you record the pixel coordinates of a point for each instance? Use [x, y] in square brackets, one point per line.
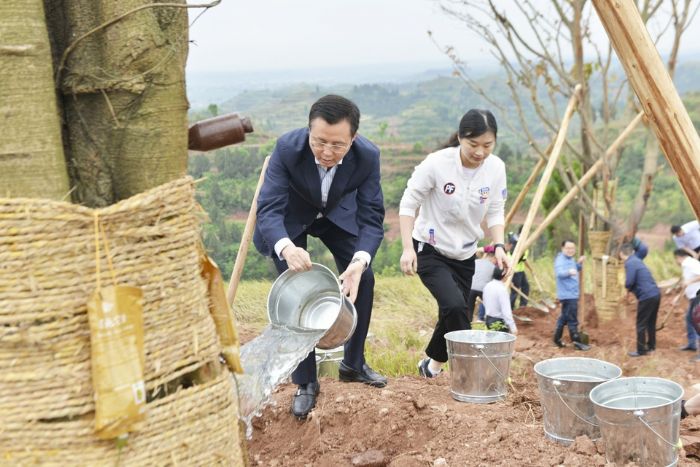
[638, 418]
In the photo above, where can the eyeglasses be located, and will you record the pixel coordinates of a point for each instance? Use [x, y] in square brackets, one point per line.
[335, 148]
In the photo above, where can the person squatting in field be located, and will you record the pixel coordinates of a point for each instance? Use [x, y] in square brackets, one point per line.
[499, 314]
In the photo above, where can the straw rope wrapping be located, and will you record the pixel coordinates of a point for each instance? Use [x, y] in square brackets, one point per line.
[47, 271]
[194, 426]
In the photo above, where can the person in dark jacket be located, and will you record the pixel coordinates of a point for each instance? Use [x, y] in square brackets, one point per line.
[641, 250]
[324, 181]
[641, 283]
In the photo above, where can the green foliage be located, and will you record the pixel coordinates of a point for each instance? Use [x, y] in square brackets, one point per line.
[410, 120]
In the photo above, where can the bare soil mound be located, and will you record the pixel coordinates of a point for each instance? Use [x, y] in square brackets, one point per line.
[415, 422]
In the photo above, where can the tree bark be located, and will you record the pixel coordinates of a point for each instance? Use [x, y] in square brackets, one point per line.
[651, 154]
[124, 94]
[32, 162]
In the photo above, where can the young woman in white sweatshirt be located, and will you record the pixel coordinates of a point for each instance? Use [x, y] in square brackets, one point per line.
[456, 188]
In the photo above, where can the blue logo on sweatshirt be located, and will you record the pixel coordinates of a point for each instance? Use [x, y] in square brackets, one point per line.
[483, 194]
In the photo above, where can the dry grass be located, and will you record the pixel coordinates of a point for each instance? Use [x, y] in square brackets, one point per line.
[404, 312]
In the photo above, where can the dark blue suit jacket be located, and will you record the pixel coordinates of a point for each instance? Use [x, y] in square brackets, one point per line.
[290, 198]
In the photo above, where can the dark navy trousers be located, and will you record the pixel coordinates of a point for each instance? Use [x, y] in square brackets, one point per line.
[341, 244]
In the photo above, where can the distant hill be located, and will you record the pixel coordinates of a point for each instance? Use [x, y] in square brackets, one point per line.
[425, 109]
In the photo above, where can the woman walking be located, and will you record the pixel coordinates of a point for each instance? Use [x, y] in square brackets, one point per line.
[456, 188]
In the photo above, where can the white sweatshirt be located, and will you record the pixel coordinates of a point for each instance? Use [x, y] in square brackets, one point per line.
[497, 303]
[453, 203]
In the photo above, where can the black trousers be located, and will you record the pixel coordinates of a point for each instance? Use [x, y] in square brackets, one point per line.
[450, 282]
[647, 310]
[520, 281]
[568, 317]
[341, 244]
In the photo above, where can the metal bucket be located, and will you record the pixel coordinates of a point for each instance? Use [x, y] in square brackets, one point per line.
[328, 361]
[312, 300]
[640, 420]
[564, 385]
[479, 364]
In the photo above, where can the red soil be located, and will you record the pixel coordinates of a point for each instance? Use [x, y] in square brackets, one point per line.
[415, 422]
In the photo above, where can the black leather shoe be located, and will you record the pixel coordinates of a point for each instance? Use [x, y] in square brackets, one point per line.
[305, 399]
[367, 376]
[688, 348]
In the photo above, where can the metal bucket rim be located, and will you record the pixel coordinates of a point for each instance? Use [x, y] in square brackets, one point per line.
[286, 275]
[539, 365]
[594, 392]
[505, 337]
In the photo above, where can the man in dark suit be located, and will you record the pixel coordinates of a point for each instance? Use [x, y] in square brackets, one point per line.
[323, 181]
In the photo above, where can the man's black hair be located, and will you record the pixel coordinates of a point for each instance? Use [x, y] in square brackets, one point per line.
[675, 229]
[681, 253]
[498, 273]
[334, 109]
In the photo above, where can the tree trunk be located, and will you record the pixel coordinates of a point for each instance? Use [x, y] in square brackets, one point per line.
[651, 82]
[32, 163]
[124, 96]
[651, 155]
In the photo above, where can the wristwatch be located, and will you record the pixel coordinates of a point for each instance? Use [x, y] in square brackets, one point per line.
[357, 260]
[499, 245]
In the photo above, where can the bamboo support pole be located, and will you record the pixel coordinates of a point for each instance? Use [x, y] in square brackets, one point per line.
[526, 188]
[658, 96]
[571, 195]
[546, 175]
[245, 238]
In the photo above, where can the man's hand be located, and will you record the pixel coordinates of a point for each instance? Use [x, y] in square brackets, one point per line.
[409, 261]
[573, 272]
[581, 259]
[350, 279]
[297, 259]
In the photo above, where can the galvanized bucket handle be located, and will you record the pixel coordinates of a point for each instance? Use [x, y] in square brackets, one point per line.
[480, 348]
[556, 383]
[640, 415]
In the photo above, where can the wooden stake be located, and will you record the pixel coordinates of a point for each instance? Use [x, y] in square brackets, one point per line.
[658, 96]
[581, 294]
[570, 196]
[523, 193]
[546, 175]
[245, 238]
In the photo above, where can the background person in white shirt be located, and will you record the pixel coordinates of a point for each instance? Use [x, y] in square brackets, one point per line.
[483, 272]
[687, 237]
[691, 281]
[497, 304]
[456, 188]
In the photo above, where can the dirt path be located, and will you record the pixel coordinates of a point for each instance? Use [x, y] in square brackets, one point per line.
[415, 422]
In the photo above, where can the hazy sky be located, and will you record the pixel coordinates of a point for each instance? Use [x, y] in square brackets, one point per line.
[297, 34]
[283, 34]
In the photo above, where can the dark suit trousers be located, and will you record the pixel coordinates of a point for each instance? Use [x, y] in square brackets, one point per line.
[647, 310]
[341, 244]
